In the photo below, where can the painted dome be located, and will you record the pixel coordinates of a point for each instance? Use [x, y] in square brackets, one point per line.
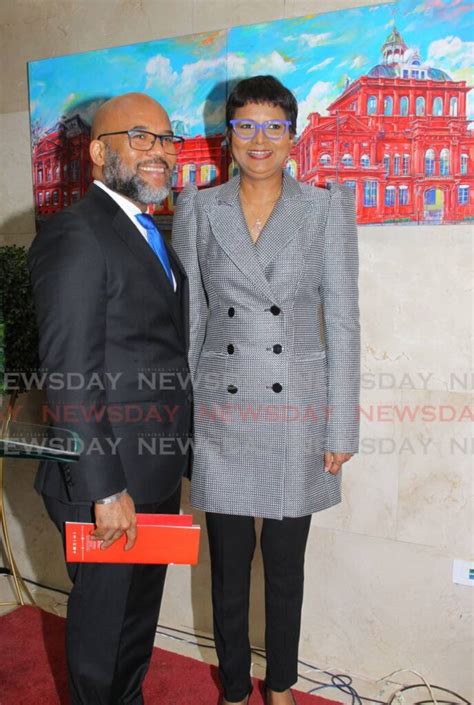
[383, 71]
[402, 62]
[438, 75]
[394, 71]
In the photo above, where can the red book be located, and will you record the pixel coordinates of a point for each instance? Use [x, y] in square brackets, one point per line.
[164, 519]
[161, 538]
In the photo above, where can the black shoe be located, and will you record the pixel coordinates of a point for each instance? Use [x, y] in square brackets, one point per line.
[266, 697]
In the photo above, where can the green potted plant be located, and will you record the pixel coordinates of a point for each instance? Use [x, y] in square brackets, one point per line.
[18, 361]
[18, 336]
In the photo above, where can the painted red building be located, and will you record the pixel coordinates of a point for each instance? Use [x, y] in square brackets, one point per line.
[61, 165]
[204, 162]
[62, 169]
[399, 138]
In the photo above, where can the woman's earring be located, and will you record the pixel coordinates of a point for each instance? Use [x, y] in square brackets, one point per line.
[233, 168]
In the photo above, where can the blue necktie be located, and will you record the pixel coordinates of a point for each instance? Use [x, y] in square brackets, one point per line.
[156, 242]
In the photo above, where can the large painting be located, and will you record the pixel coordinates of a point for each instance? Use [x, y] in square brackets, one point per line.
[384, 98]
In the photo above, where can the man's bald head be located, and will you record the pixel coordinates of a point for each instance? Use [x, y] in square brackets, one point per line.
[121, 109]
[143, 176]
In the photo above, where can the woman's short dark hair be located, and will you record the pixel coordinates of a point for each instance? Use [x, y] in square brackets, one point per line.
[262, 89]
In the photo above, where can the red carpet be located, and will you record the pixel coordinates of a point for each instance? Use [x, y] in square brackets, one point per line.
[33, 669]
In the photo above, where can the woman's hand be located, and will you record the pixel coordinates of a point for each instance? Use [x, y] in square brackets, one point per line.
[333, 461]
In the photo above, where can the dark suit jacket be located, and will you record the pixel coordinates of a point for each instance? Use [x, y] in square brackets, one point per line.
[114, 334]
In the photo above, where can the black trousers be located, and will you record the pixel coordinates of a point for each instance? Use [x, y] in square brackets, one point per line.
[232, 542]
[112, 614]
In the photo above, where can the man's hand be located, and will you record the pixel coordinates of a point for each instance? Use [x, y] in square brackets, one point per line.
[333, 461]
[115, 519]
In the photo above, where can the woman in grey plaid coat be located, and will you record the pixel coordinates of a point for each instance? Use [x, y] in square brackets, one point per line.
[276, 398]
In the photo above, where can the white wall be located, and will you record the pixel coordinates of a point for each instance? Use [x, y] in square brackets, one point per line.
[379, 593]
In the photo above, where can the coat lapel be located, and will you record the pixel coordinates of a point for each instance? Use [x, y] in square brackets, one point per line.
[283, 223]
[230, 230]
[150, 262]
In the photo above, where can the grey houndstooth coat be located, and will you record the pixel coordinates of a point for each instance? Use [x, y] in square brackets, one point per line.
[272, 391]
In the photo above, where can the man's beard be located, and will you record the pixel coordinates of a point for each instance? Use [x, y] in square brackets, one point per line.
[121, 179]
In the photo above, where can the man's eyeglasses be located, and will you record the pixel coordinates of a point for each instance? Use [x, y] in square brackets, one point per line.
[143, 141]
[272, 129]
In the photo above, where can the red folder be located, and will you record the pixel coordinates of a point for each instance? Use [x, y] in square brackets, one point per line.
[161, 538]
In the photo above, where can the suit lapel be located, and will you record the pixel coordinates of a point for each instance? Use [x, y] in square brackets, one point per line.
[283, 223]
[230, 230]
[150, 262]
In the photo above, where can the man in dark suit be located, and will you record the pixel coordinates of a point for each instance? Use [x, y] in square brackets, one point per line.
[112, 308]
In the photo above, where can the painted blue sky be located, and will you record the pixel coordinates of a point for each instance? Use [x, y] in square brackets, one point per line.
[179, 72]
[313, 56]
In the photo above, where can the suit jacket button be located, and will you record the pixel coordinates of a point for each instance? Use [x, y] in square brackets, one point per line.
[277, 349]
[275, 310]
[277, 387]
[232, 389]
[230, 349]
[231, 312]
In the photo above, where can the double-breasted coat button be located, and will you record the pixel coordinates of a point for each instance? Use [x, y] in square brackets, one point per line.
[277, 388]
[67, 474]
[275, 310]
[232, 389]
[277, 349]
[230, 349]
[231, 312]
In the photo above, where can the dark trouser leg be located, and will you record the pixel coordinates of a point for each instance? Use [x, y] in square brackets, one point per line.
[232, 544]
[140, 620]
[283, 547]
[112, 616]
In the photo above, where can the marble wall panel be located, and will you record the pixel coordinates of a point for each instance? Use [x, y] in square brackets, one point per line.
[416, 306]
[370, 478]
[374, 605]
[17, 223]
[434, 505]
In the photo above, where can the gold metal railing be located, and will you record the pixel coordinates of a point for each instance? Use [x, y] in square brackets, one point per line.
[19, 586]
